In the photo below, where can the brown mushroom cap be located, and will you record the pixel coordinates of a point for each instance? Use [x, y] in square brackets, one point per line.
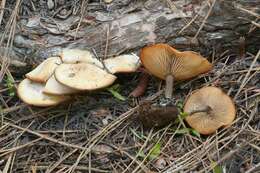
[72, 56]
[220, 110]
[122, 63]
[83, 76]
[162, 60]
[32, 93]
[56, 88]
[44, 71]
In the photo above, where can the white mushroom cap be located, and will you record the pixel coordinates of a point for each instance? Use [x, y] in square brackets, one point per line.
[122, 63]
[32, 93]
[72, 56]
[56, 88]
[44, 71]
[83, 76]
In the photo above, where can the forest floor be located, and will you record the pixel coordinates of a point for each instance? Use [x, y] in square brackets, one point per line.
[97, 132]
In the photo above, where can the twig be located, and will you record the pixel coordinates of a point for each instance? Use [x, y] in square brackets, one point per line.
[248, 11]
[47, 137]
[256, 24]
[253, 169]
[92, 142]
[247, 74]
[2, 11]
[83, 8]
[205, 19]
[8, 151]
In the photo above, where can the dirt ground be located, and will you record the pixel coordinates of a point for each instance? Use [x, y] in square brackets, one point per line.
[97, 132]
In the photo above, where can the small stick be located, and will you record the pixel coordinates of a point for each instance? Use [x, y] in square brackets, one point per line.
[169, 86]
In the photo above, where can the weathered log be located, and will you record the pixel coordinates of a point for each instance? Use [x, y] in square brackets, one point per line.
[130, 25]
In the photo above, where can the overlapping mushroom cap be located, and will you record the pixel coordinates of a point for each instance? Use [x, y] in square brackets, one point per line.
[54, 87]
[162, 60]
[44, 71]
[83, 76]
[122, 64]
[209, 108]
[72, 56]
[32, 93]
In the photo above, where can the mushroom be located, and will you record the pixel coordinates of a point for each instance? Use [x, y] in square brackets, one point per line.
[32, 93]
[44, 71]
[56, 88]
[208, 109]
[170, 64]
[72, 56]
[83, 76]
[122, 64]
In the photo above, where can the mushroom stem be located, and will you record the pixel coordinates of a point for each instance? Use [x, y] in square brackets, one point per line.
[207, 109]
[169, 86]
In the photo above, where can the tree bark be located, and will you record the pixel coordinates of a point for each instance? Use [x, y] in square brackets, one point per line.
[130, 25]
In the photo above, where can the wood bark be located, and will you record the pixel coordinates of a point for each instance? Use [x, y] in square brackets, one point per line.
[128, 25]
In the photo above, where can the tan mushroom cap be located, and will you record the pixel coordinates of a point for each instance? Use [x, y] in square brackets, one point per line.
[44, 71]
[122, 63]
[162, 60]
[83, 76]
[32, 93]
[72, 56]
[221, 112]
[56, 88]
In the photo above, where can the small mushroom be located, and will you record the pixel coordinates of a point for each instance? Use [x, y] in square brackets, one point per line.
[44, 71]
[122, 64]
[170, 64]
[72, 56]
[83, 76]
[56, 88]
[32, 93]
[208, 109]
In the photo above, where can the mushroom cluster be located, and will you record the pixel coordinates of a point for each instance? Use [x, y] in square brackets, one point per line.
[74, 71]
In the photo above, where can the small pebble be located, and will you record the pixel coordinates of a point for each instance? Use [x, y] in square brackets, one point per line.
[160, 163]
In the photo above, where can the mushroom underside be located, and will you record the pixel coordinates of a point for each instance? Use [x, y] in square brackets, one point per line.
[208, 109]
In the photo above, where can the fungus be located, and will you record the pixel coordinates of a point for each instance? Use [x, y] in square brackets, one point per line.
[208, 109]
[31, 93]
[44, 71]
[122, 64]
[56, 88]
[83, 76]
[72, 56]
[169, 64]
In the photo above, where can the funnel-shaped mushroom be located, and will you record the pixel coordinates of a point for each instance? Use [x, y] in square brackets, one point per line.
[83, 76]
[72, 56]
[170, 64]
[56, 88]
[32, 93]
[122, 64]
[44, 71]
[209, 108]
